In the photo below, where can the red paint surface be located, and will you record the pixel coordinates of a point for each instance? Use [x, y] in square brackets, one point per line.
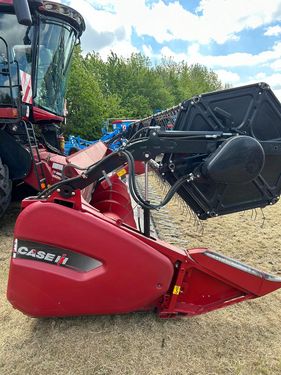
[9, 113]
[137, 273]
[40, 115]
[10, 2]
[127, 281]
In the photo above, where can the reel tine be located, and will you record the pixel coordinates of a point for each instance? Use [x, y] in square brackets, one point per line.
[185, 209]
[198, 225]
[263, 218]
[202, 228]
[190, 214]
[252, 214]
[256, 214]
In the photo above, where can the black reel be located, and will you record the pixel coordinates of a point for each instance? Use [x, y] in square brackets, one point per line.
[244, 172]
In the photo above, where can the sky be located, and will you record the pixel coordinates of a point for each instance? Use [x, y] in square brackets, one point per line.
[238, 39]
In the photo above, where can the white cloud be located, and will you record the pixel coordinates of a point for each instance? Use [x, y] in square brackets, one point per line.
[278, 94]
[122, 48]
[273, 31]
[261, 76]
[215, 20]
[147, 50]
[178, 57]
[232, 60]
[104, 30]
[227, 76]
[276, 65]
[274, 81]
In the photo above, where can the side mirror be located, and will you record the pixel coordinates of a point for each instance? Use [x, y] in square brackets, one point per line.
[22, 11]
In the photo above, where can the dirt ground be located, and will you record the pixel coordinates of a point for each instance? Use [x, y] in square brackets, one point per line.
[242, 339]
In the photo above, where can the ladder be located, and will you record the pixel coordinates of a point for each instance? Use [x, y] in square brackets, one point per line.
[36, 159]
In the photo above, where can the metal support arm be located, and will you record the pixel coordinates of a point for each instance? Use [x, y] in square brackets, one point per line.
[143, 150]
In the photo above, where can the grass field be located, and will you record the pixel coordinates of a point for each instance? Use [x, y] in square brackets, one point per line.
[243, 339]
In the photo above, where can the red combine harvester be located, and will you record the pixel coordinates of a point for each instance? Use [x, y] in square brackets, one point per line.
[35, 56]
[77, 249]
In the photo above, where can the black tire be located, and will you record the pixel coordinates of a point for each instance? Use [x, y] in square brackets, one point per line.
[5, 188]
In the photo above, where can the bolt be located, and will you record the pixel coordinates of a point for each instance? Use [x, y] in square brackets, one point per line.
[73, 193]
[58, 190]
[146, 155]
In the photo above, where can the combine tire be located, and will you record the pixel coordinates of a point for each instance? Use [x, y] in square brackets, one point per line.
[5, 188]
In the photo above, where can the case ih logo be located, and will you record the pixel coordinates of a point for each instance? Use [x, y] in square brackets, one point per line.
[24, 251]
[53, 255]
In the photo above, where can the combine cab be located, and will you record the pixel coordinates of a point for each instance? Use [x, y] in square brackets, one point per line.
[36, 44]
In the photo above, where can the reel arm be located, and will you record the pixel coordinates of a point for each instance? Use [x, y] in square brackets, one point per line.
[143, 149]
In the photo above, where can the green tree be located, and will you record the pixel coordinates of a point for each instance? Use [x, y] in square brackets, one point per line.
[85, 102]
[128, 87]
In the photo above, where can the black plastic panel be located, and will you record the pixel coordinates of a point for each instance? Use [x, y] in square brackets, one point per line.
[251, 110]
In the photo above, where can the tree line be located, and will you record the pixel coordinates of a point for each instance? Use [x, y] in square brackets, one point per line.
[128, 88]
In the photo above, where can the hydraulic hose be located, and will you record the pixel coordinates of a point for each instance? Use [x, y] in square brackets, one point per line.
[136, 195]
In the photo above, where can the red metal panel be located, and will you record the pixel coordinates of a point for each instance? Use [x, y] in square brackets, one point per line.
[114, 201]
[47, 159]
[40, 114]
[53, 165]
[9, 113]
[205, 283]
[137, 272]
[133, 275]
[88, 156]
[6, 2]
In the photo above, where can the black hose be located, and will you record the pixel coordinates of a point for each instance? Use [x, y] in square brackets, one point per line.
[136, 195]
[134, 190]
